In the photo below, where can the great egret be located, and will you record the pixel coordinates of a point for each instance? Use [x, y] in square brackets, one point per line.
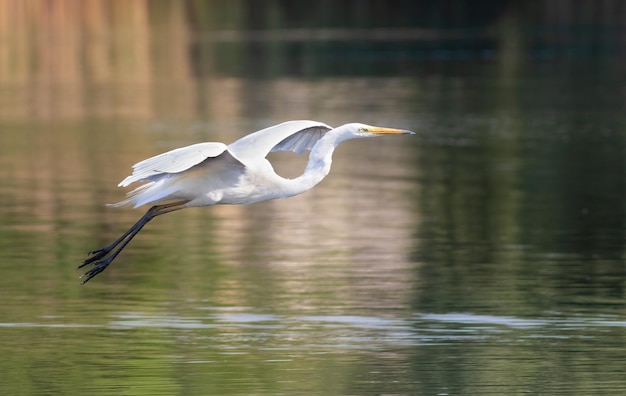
[215, 173]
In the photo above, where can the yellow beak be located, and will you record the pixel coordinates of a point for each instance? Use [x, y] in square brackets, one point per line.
[389, 131]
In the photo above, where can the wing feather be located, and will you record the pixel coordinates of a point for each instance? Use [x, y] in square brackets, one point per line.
[277, 137]
[174, 161]
[302, 141]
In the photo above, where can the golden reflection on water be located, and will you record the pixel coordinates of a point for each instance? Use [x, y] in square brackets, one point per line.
[71, 60]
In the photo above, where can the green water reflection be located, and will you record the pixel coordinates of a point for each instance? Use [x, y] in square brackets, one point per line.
[482, 256]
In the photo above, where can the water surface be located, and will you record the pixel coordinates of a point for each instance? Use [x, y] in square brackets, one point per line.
[482, 256]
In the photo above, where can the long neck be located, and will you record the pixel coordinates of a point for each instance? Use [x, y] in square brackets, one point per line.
[317, 167]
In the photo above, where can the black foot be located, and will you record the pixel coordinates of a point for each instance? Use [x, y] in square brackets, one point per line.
[99, 266]
[96, 255]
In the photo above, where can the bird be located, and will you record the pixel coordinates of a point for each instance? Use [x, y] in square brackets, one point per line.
[213, 173]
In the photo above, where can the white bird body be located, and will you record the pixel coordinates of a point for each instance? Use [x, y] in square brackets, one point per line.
[213, 173]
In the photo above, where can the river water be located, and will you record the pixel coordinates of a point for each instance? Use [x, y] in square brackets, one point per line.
[484, 255]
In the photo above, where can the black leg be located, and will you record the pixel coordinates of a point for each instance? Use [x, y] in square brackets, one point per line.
[99, 259]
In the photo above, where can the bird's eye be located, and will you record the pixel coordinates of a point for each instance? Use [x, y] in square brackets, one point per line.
[362, 130]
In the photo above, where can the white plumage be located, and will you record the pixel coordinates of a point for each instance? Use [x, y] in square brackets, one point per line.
[174, 161]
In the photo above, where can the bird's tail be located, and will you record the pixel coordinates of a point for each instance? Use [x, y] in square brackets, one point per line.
[151, 192]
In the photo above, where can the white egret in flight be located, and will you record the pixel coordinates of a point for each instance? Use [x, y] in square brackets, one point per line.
[215, 173]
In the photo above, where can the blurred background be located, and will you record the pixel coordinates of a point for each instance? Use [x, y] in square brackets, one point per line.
[485, 255]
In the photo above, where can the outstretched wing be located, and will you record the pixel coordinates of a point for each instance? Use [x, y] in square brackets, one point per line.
[297, 136]
[174, 161]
